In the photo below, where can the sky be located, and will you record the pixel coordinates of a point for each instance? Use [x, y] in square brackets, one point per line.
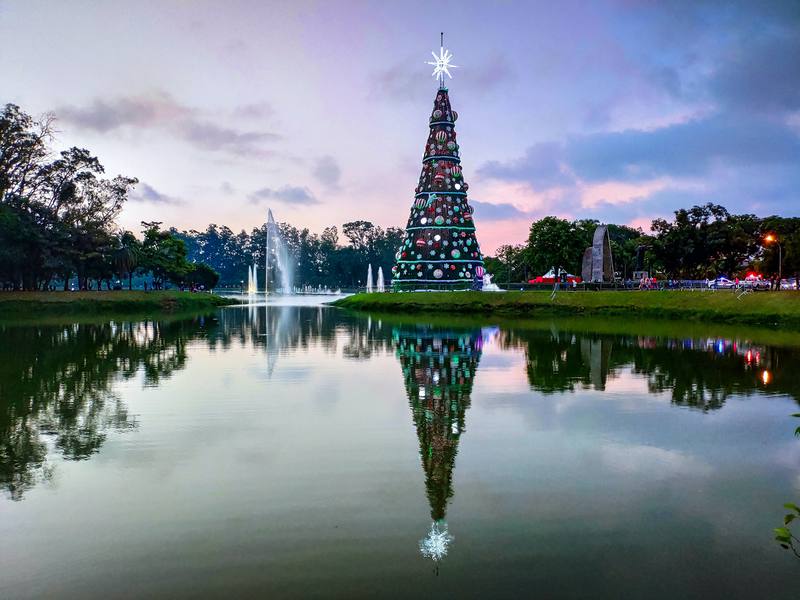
[621, 111]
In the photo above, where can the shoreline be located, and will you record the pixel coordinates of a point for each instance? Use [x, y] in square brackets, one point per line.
[758, 308]
[27, 304]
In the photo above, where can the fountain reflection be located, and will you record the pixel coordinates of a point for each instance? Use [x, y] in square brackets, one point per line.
[438, 369]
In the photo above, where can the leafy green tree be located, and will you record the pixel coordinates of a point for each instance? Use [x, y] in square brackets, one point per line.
[705, 241]
[23, 150]
[65, 208]
[163, 255]
[509, 264]
[784, 535]
[127, 256]
[201, 274]
[555, 242]
[624, 242]
[787, 232]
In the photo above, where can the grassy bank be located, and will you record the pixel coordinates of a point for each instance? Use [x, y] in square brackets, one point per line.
[26, 304]
[762, 308]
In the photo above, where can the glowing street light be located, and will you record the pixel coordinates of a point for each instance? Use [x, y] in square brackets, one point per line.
[772, 238]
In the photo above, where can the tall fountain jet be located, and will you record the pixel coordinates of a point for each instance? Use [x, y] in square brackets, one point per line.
[380, 285]
[277, 251]
[252, 282]
[369, 279]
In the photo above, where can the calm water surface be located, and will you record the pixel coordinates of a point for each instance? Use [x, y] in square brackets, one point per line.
[303, 451]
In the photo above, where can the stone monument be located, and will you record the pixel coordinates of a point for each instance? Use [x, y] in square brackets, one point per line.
[598, 264]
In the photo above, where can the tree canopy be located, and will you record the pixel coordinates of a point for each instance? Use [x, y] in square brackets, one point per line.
[699, 242]
[58, 216]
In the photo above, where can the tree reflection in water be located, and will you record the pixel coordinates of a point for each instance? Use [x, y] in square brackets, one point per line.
[699, 373]
[438, 369]
[57, 382]
[56, 388]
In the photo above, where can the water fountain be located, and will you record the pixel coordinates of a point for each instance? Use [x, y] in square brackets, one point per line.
[369, 279]
[380, 285]
[252, 282]
[276, 248]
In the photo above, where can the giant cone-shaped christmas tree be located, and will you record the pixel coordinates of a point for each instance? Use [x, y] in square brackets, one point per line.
[438, 368]
[440, 250]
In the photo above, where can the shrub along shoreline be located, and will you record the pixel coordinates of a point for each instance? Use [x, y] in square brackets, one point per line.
[759, 308]
[27, 304]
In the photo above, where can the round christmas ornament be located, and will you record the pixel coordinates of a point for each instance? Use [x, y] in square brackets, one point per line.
[437, 114]
[438, 273]
[441, 137]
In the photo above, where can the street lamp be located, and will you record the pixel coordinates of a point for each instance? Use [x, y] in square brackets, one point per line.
[769, 239]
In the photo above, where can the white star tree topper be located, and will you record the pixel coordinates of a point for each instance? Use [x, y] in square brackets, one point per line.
[441, 63]
[436, 543]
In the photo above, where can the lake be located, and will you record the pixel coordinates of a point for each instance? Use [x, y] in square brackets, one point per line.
[303, 451]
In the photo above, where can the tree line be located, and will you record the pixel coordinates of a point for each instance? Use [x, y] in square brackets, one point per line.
[318, 259]
[58, 218]
[58, 225]
[700, 242]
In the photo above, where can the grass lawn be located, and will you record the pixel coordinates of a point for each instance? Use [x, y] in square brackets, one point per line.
[14, 304]
[761, 308]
